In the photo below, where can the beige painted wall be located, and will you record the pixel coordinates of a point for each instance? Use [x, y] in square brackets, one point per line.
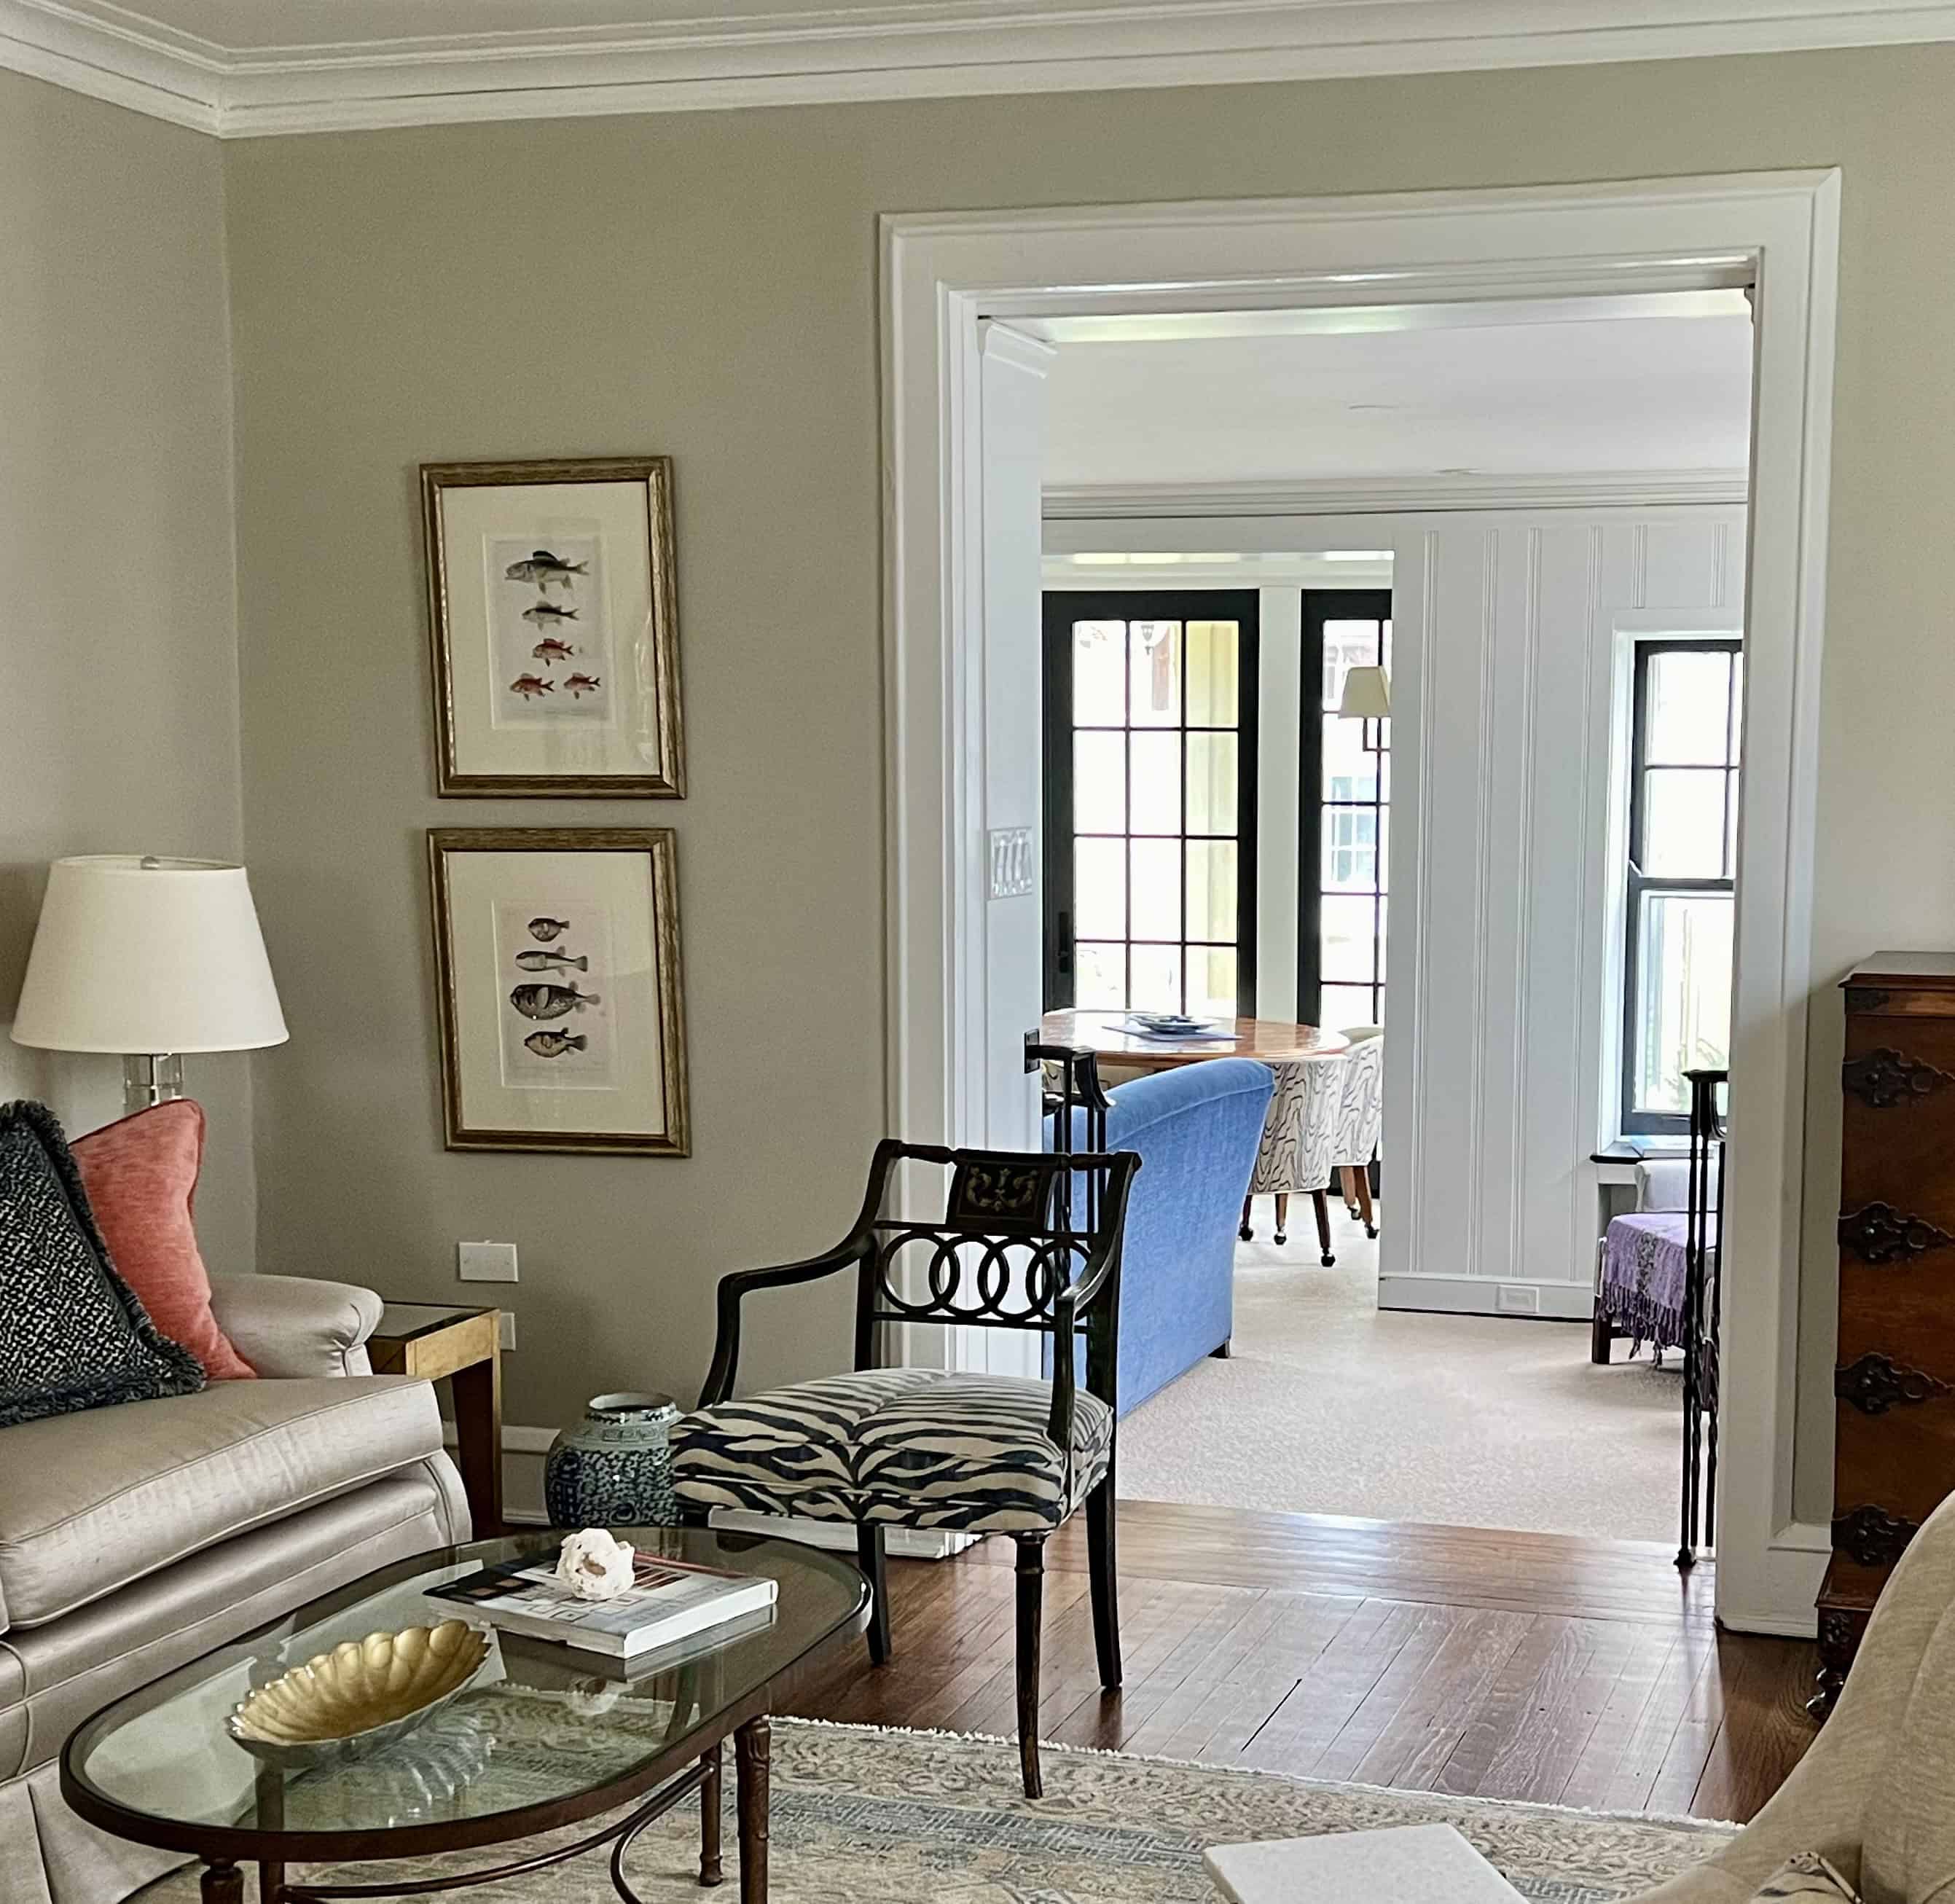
[117, 622]
[704, 285]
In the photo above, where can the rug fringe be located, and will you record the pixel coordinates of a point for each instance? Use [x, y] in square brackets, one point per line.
[1675, 1820]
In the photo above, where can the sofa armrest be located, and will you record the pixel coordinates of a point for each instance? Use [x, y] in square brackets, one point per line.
[295, 1325]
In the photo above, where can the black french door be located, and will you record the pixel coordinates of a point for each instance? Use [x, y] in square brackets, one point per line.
[1343, 815]
[1150, 706]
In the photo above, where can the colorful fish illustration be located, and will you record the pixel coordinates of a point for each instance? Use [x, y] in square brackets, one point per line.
[531, 686]
[546, 929]
[554, 1044]
[550, 649]
[542, 568]
[538, 613]
[550, 961]
[551, 1001]
[582, 685]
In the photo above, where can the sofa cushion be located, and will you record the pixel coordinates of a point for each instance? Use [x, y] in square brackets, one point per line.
[908, 1447]
[1907, 1846]
[72, 1335]
[141, 1174]
[95, 1501]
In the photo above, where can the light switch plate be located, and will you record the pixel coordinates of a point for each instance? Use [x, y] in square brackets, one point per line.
[506, 1327]
[486, 1262]
[1011, 861]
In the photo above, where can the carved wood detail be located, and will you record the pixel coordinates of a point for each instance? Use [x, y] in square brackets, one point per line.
[1885, 1077]
[1874, 1383]
[1870, 1537]
[1880, 1234]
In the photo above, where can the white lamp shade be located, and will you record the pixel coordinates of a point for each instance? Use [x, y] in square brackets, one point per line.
[1367, 694]
[148, 955]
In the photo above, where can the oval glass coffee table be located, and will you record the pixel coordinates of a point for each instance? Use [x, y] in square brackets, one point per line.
[544, 1739]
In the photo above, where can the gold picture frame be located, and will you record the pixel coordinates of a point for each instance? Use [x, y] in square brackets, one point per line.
[553, 623]
[560, 989]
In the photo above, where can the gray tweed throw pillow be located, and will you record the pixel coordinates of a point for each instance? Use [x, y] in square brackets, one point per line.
[72, 1334]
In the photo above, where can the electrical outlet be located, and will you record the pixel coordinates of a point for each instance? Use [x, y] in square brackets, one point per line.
[486, 1262]
[506, 1324]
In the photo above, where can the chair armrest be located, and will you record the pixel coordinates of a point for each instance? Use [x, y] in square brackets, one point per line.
[292, 1325]
[720, 1378]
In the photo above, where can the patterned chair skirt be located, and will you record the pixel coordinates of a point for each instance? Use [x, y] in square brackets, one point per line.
[903, 1447]
[1299, 1144]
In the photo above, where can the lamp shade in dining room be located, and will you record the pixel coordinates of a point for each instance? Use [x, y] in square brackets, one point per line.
[144, 954]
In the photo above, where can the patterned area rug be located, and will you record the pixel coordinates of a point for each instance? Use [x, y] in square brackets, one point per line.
[864, 1817]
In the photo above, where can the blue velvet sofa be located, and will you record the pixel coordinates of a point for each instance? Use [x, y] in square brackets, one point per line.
[1196, 1129]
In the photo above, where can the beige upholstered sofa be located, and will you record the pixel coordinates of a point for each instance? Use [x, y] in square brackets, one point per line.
[132, 1539]
[1875, 1794]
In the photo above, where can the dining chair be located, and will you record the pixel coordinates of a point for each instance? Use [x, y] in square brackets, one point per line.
[1299, 1142]
[1360, 1119]
[1023, 1242]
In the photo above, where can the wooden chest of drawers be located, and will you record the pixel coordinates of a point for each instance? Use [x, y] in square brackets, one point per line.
[1894, 1380]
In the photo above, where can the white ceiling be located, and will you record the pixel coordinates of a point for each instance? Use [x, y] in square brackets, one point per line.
[1614, 394]
[241, 67]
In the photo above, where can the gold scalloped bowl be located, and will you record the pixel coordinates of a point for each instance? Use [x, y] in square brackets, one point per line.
[360, 1696]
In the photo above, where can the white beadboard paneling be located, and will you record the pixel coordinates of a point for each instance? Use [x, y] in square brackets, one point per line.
[1521, 672]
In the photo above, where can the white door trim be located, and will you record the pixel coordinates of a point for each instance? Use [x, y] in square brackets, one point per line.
[941, 273]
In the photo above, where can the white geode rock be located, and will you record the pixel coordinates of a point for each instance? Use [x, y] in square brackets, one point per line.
[594, 1565]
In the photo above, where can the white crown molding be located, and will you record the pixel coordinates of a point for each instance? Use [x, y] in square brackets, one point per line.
[916, 49]
[1392, 495]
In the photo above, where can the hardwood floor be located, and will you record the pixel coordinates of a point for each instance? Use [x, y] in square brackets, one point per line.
[1519, 1665]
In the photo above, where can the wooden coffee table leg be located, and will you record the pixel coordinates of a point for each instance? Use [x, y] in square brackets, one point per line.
[223, 1883]
[710, 1871]
[750, 1747]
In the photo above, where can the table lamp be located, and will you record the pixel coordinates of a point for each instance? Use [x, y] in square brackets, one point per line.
[149, 958]
[1367, 697]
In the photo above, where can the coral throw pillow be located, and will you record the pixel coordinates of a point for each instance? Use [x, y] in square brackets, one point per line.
[140, 1175]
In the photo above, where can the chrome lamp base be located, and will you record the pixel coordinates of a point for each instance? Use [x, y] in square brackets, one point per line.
[151, 1078]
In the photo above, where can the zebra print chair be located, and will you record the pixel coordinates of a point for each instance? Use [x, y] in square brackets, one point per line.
[1026, 1242]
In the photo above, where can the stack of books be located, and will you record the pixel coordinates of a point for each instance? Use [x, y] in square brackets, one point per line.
[667, 1600]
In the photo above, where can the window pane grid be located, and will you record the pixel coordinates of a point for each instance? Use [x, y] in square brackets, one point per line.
[1174, 746]
[1352, 829]
[1684, 773]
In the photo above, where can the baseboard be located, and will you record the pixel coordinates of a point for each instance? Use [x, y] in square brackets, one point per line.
[1479, 1295]
[524, 1449]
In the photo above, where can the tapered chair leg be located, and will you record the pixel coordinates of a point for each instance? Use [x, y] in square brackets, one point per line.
[1282, 1216]
[1031, 1600]
[1348, 1175]
[1247, 1235]
[871, 1555]
[1105, 1581]
[1322, 1203]
[1365, 1210]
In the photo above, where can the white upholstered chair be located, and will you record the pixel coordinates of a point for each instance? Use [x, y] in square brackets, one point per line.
[1298, 1157]
[1875, 1793]
[1360, 1119]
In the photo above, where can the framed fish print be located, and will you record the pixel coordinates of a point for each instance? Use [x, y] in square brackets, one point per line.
[557, 963]
[552, 612]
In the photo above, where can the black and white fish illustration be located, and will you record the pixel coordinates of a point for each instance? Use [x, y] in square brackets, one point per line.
[551, 1001]
[554, 1044]
[538, 614]
[542, 568]
[550, 961]
[546, 929]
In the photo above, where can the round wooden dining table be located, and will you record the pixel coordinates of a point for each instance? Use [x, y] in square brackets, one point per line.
[1107, 1034]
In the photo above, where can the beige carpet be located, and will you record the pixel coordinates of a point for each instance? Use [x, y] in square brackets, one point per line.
[862, 1816]
[1329, 1407]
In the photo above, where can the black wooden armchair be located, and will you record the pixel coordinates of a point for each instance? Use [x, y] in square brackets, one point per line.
[1026, 1242]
